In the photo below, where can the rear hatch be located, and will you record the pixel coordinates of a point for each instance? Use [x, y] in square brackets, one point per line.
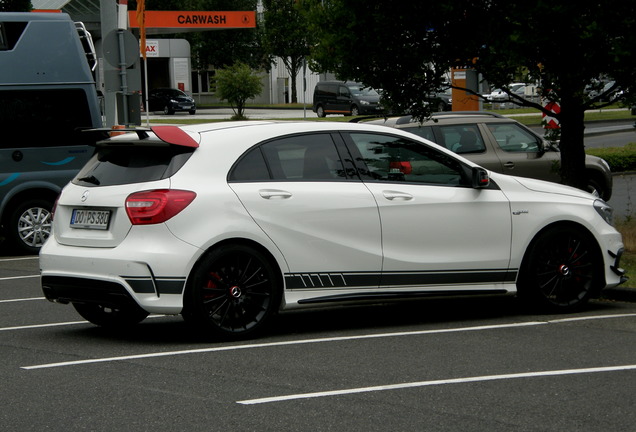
[91, 210]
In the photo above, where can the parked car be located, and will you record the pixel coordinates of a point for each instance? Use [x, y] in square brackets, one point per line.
[499, 95]
[170, 100]
[441, 101]
[229, 223]
[502, 145]
[345, 97]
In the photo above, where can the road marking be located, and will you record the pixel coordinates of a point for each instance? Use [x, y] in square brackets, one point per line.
[34, 257]
[277, 344]
[43, 325]
[437, 382]
[303, 342]
[19, 277]
[22, 299]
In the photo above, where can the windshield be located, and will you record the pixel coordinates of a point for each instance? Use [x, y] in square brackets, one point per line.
[357, 90]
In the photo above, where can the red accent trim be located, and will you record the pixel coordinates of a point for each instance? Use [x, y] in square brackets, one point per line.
[174, 135]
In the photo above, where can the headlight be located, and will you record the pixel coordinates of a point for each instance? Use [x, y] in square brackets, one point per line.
[363, 102]
[605, 211]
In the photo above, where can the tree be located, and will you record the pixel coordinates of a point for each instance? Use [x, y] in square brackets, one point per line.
[284, 34]
[15, 6]
[567, 48]
[237, 84]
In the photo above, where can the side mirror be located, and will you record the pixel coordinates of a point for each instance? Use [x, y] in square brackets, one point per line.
[481, 179]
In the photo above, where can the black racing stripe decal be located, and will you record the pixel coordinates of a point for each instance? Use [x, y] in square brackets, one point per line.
[165, 285]
[397, 279]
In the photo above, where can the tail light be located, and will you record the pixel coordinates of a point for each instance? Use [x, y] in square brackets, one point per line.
[157, 206]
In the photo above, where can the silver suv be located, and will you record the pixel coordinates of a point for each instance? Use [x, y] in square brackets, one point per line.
[502, 145]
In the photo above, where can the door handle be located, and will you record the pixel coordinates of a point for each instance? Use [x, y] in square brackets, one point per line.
[274, 194]
[398, 196]
[509, 165]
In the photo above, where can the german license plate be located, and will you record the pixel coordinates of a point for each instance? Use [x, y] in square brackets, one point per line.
[90, 219]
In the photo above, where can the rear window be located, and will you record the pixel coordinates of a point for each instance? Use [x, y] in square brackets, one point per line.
[132, 164]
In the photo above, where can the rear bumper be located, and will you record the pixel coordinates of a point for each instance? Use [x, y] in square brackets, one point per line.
[143, 269]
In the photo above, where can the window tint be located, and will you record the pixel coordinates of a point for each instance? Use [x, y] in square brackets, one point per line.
[58, 114]
[300, 157]
[304, 157]
[422, 131]
[396, 159]
[513, 138]
[132, 164]
[462, 139]
[251, 167]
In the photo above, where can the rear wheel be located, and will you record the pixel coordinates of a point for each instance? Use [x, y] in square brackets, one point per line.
[108, 317]
[561, 271]
[233, 292]
[29, 225]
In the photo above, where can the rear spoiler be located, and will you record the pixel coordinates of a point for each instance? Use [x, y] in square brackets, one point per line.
[168, 134]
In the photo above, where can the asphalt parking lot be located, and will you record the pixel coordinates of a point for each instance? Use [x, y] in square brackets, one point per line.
[452, 365]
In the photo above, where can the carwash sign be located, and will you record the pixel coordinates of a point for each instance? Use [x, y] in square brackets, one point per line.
[179, 20]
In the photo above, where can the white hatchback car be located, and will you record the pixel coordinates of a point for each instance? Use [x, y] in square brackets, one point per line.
[228, 223]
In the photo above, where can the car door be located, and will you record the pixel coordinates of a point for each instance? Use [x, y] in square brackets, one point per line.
[521, 152]
[437, 230]
[302, 192]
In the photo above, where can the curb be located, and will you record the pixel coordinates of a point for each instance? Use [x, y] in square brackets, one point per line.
[619, 294]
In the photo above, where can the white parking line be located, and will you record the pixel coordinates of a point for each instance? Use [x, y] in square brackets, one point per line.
[22, 299]
[436, 382]
[19, 277]
[43, 325]
[304, 341]
[33, 257]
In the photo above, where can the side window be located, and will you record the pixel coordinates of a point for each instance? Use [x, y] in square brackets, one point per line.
[344, 91]
[422, 131]
[296, 158]
[397, 159]
[463, 139]
[251, 167]
[513, 138]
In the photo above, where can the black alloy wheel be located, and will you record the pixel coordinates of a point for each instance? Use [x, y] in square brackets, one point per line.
[562, 270]
[233, 292]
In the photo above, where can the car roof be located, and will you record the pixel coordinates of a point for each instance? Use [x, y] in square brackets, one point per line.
[444, 117]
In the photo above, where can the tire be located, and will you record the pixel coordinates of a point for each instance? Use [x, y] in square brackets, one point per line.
[167, 110]
[354, 110]
[29, 225]
[320, 111]
[561, 271]
[111, 318]
[192, 112]
[598, 187]
[232, 293]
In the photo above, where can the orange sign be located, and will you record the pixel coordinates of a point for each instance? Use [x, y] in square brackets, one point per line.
[190, 19]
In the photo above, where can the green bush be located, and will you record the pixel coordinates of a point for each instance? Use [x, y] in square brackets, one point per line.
[620, 159]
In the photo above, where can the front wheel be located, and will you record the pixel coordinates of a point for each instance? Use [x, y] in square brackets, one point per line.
[355, 110]
[233, 292]
[320, 111]
[561, 270]
[167, 110]
[29, 225]
[108, 317]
